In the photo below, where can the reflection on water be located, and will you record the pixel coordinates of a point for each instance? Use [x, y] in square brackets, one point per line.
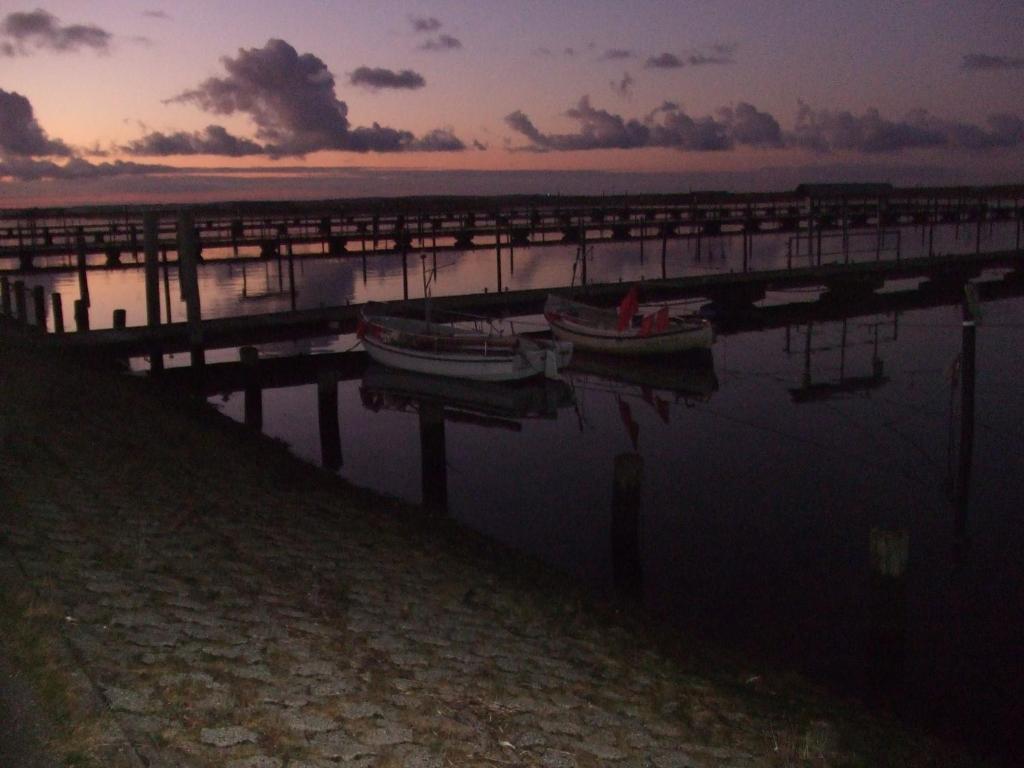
[840, 494]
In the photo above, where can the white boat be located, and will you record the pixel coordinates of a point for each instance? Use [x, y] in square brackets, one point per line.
[620, 332]
[447, 350]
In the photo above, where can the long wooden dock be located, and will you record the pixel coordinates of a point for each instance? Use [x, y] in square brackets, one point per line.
[733, 294]
[69, 238]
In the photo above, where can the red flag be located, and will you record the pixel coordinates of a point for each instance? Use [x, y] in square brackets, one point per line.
[627, 308]
[661, 319]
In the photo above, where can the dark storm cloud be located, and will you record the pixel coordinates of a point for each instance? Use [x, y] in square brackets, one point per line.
[984, 61]
[20, 133]
[424, 24]
[666, 126]
[377, 77]
[215, 140]
[442, 43]
[827, 131]
[291, 99]
[21, 31]
[616, 54]
[26, 169]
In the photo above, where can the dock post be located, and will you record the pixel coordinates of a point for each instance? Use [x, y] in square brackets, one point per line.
[888, 556]
[58, 312]
[81, 316]
[627, 492]
[433, 458]
[977, 235]
[327, 409]
[967, 377]
[583, 251]
[188, 275]
[664, 249]
[151, 255]
[643, 233]
[497, 253]
[1020, 217]
[120, 320]
[405, 270]
[20, 308]
[253, 407]
[39, 305]
[150, 244]
[291, 272]
[83, 278]
[5, 295]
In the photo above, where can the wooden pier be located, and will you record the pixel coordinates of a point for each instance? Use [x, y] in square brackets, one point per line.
[119, 237]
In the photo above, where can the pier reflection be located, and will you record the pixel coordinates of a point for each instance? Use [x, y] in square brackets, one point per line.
[436, 400]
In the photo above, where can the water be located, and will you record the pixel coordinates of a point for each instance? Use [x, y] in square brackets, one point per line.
[768, 470]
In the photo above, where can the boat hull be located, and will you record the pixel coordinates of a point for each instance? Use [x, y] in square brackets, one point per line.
[666, 343]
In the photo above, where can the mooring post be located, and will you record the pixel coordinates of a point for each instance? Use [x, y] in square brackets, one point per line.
[83, 278]
[39, 305]
[888, 557]
[20, 308]
[664, 248]
[81, 316]
[967, 378]
[977, 236]
[188, 276]
[327, 409]
[497, 251]
[511, 251]
[643, 233]
[291, 272]
[253, 404]
[405, 268]
[58, 312]
[1020, 217]
[434, 462]
[151, 248]
[627, 493]
[5, 295]
[120, 319]
[583, 251]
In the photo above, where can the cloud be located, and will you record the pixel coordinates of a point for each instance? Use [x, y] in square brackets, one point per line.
[720, 53]
[984, 61]
[424, 23]
[215, 140]
[616, 54]
[155, 14]
[291, 99]
[664, 61]
[827, 131]
[20, 133]
[42, 30]
[442, 43]
[666, 126]
[623, 87]
[27, 169]
[377, 77]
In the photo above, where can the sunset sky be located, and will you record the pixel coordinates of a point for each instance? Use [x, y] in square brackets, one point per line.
[140, 99]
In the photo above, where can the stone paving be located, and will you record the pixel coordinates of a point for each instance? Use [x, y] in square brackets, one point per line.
[235, 609]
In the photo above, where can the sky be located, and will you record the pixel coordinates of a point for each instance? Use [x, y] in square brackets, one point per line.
[102, 100]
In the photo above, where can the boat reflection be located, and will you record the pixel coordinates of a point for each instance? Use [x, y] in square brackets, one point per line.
[688, 376]
[436, 399]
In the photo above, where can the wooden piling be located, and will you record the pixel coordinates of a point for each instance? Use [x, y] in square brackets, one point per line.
[967, 379]
[20, 308]
[434, 462]
[82, 257]
[291, 273]
[39, 305]
[81, 316]
[664, 249]
[5, 295]
[497, 254]
[253, 404]
[327, 410]
[58, 312]
[627, 495]
[150, 245]
[188, 276]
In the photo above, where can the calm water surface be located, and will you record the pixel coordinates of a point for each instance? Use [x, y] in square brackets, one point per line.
[766, 469]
